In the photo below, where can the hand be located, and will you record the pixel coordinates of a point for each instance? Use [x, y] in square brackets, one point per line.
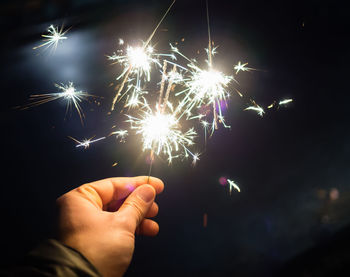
[100, 219]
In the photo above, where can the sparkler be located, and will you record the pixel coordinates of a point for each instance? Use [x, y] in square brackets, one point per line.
[206, 87]
[160, 129]
[53, 37]
[67, 92]
[137, 63]
[161, 133]
[86, 142]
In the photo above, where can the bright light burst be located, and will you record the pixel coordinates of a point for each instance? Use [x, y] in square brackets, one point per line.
[161, 133]
[53, 37]
[69, 93]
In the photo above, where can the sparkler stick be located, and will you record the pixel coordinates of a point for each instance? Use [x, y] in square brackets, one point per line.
[209, 36]
[210, 61]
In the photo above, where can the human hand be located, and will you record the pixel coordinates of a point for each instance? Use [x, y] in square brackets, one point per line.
[99, 219]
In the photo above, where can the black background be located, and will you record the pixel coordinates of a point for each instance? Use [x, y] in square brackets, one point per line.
[288, 163]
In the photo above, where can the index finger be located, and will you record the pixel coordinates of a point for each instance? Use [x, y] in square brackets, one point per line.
[104, 191]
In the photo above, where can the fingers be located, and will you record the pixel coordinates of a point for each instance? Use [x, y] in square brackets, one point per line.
[104, 191]
[136, 207]
[148, 227]
[153, 211]
[115, 205]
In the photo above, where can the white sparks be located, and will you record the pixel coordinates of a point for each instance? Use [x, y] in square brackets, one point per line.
[195, 158]
[67, 92]
[137, 64]
[285, 101]
[256, 108]
[53, 37]
[120, 134]
[242, 67]
[233, 185]
[161, 133]
[204, 88]
[86, 142]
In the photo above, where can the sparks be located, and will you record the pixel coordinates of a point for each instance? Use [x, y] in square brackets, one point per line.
[285, 101]
[53, 37]
[242, 67]
[161, 133]
[256, 108]
[67, 92]
[233, 185]
[195, 158]
[86, 142]
[204, 87]
[137, 63]
[120, 134]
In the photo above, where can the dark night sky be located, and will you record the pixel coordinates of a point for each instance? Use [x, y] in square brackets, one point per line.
[292, 165]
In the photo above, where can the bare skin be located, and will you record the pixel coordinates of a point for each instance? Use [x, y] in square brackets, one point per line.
[100, 220]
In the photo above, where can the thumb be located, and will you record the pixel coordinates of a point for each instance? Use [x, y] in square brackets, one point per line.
[136, 205]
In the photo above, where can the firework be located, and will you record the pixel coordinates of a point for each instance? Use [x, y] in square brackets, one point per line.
[54, 36]
[86, 142]
[233, 185]
[69, 93]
